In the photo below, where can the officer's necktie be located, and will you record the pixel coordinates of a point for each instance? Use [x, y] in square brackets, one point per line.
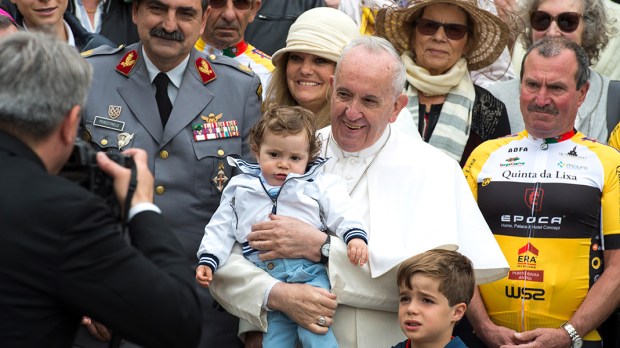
[161, 96]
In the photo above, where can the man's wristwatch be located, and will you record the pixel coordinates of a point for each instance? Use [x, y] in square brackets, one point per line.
[325, 250]
[574, 336]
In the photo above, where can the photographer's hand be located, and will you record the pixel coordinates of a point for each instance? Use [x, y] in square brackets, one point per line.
[121, 176]
[97, 329]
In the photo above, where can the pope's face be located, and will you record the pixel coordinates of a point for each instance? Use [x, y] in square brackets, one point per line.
[363, 99]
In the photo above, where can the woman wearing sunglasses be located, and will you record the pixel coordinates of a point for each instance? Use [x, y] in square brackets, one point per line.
[587, 23]
[441, 41]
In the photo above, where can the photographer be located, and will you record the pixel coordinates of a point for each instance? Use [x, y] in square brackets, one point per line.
[61, 252]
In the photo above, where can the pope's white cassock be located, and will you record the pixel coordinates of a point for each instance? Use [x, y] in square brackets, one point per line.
[414, 198]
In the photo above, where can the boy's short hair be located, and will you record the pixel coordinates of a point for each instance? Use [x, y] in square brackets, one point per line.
[453, 270]
[286, 120]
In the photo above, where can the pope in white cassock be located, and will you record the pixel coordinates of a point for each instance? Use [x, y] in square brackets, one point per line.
[413, 197]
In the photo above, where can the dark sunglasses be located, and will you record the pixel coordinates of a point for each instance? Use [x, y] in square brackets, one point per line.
[566, 21]
[238, 4]
[429, 27]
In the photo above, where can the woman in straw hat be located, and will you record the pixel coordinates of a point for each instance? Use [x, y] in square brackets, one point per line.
[440, 42]
[303, 67]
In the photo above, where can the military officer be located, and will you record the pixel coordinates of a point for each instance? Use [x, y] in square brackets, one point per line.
[212, 104]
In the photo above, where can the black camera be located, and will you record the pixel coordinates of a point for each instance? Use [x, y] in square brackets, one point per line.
[82, 169]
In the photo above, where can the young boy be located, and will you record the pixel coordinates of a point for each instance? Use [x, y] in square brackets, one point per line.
[435, 288]
[286, 181]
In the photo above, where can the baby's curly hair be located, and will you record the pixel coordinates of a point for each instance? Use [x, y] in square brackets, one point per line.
[285, 120]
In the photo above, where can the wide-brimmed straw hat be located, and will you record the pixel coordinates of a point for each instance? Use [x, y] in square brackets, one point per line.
[321, 31]
[489, 38]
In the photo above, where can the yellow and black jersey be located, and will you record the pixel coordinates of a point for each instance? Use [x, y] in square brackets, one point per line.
[553, 208]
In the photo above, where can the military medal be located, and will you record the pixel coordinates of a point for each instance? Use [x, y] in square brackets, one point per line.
[214, 129]
[220, 178]
[124, 139]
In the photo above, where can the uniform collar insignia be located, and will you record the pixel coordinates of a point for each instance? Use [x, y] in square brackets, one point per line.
[205, 71]
[127, 62]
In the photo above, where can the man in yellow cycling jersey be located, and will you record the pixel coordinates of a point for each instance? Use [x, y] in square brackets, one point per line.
[552, 199]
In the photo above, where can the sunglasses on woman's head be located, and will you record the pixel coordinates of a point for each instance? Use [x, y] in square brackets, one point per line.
[566, 21]
[238, 4]
[453, 31]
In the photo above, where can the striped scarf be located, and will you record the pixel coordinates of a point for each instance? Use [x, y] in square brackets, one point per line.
[452, 130]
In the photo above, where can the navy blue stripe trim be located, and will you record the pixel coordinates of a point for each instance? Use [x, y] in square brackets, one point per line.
[355, 233]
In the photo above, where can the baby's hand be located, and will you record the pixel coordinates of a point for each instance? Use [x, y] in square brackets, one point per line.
[204, 275]
[357, 251]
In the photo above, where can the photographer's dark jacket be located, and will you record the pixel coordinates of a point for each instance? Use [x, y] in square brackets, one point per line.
[62, 257]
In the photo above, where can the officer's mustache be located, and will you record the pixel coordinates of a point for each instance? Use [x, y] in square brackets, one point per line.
[547, 109]
[161, 33]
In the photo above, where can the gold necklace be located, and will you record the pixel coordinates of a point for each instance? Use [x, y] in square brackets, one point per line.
[369, 164]
[91, 11]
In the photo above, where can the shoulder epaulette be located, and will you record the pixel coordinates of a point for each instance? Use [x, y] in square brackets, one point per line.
[102, 50]
[223, 60]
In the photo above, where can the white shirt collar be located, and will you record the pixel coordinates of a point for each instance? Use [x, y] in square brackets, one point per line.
[175, 75]
[367, 152]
